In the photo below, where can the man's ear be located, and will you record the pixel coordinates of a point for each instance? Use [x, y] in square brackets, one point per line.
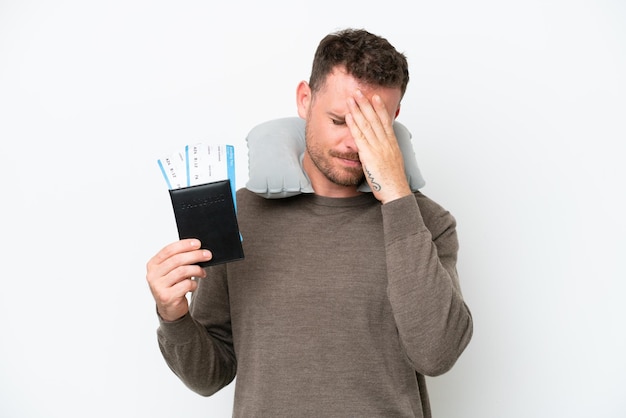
[303, 99]
[397, 112]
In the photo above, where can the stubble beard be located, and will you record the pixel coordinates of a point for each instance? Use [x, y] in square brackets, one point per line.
[323, 160]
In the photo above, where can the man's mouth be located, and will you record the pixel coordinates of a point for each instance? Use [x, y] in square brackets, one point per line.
[349, 159]
[351, 162]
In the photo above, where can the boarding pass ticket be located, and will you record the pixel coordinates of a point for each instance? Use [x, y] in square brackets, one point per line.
[198, 163]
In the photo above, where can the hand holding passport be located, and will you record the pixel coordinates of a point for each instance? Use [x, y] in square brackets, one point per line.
[201, 182]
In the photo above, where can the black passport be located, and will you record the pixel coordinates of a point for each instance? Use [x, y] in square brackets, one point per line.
[207, 212]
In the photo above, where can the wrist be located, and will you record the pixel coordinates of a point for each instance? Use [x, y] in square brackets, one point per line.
[165, 316]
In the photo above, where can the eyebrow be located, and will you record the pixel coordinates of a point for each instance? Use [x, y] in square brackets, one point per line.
[336, 116]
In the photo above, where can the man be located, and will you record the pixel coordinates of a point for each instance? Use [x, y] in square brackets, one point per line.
[345, 300]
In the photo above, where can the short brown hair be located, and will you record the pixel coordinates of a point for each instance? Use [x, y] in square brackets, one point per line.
[369, 58]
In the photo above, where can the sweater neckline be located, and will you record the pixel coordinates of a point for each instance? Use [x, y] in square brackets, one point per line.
[360, 200]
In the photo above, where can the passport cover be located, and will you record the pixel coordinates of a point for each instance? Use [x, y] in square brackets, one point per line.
[207, 212]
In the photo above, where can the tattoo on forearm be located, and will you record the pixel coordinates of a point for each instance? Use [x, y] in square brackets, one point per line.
[374, 185]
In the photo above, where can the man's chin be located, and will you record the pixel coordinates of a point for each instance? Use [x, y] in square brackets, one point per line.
[349, 181]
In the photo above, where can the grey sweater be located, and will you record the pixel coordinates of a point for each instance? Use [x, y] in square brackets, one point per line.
[340, 309]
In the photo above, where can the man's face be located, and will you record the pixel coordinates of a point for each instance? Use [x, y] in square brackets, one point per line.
[329, 143]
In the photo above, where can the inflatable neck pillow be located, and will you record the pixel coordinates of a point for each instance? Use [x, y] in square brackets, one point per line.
[275, 150]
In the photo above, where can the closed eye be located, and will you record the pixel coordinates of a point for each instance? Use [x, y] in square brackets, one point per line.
[339, 122]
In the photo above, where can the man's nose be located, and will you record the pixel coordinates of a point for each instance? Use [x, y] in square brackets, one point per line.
[348, 140]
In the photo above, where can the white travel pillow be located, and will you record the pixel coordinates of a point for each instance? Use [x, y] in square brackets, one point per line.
[275, 150]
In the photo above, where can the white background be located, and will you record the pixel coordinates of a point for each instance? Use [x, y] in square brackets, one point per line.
[518, 113]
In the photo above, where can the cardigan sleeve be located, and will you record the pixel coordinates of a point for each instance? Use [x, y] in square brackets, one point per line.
[433, 321]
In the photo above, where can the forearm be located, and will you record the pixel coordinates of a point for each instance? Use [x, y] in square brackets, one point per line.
[433, 321]
[203, 362]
